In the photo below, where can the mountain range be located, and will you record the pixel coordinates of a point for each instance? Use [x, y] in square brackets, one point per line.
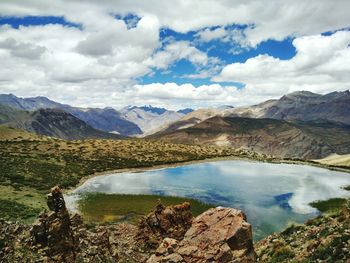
[130, 121]
[298, 125]
[306, 140]
[151, 119]
[51, 122]
[301, 105]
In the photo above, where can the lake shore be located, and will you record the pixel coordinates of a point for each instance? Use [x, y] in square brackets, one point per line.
[215, 159]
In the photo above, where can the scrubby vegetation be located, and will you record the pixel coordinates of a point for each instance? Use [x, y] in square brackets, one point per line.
[325, 238]
[332, 205]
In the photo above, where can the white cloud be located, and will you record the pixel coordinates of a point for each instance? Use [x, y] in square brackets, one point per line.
[97, 64]
[176, 51]
[187, 95]
[321, 64]
[22, 49]
[273, 19]
[208, 34]
[233, 37]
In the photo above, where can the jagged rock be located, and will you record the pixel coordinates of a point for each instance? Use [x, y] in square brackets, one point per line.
[53, 230]
[170, 221]
[218, 235]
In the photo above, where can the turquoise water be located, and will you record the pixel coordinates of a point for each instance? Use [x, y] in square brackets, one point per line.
[272, 195]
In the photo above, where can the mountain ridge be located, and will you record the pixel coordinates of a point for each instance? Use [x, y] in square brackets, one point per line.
[268, 136]
[129, 121]
[51, 122]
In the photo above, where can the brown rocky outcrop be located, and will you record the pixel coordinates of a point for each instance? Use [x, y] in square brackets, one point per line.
[171, 221]
[52, 230]
[218, 235]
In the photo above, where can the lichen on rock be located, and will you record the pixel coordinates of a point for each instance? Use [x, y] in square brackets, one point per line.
[171, 221]
[218, 235]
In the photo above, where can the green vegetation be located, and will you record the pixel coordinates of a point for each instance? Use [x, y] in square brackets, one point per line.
[11, 210]
[332, 205]
[332, 251]
[99, 207]
[322, 239]
[282, 254]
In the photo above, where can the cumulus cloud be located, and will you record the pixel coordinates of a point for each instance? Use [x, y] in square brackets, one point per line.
[176, 51]
[22, 49]
[320, 65]
[208, 34]
[104, 56]
[273, 19]
[187, 95]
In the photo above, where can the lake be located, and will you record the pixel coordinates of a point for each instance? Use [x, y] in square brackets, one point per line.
[272, 195]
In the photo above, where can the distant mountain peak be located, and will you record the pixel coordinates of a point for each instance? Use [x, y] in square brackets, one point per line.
[152, 109]
[185, 111]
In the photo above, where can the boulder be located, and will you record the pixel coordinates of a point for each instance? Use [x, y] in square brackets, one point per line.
[218, 235]
[171, 221]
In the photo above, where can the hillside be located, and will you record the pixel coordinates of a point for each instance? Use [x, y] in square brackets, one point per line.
[297, 106]
[151, 119]
[51, 122]
[8, 114]
[323, 239]
[268, 136]
[301, 105]
[107, 119]
[336, 159]
[191, 119]
[12, 134]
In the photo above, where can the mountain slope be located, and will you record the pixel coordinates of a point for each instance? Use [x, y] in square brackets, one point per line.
[191, 119]
[51, 122]
[106, 119]
[336, 159]
[12, 134]
[301, 105]
[268, 136]
[151, 119]
[8, 114]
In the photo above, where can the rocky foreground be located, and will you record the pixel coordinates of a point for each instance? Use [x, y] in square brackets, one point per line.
[168, 234]
[171, 234]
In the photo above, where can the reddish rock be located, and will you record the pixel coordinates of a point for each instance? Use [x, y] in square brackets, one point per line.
[170, 221]
[218, 235]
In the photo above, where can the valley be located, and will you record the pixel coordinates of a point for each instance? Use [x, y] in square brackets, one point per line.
[177, 131]
[71, 147]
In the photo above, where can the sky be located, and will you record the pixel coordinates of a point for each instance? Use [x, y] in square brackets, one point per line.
[173, 54]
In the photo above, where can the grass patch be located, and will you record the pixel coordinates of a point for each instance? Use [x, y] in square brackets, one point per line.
[100, 207]
[12, 210]
[332, 205]
[282, 254]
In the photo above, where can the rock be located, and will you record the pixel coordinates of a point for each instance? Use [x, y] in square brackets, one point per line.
[170, 221]
[53, 230]
[218, 235]
[167, 246]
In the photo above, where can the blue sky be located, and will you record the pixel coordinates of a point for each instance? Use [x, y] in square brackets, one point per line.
[173, 54]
